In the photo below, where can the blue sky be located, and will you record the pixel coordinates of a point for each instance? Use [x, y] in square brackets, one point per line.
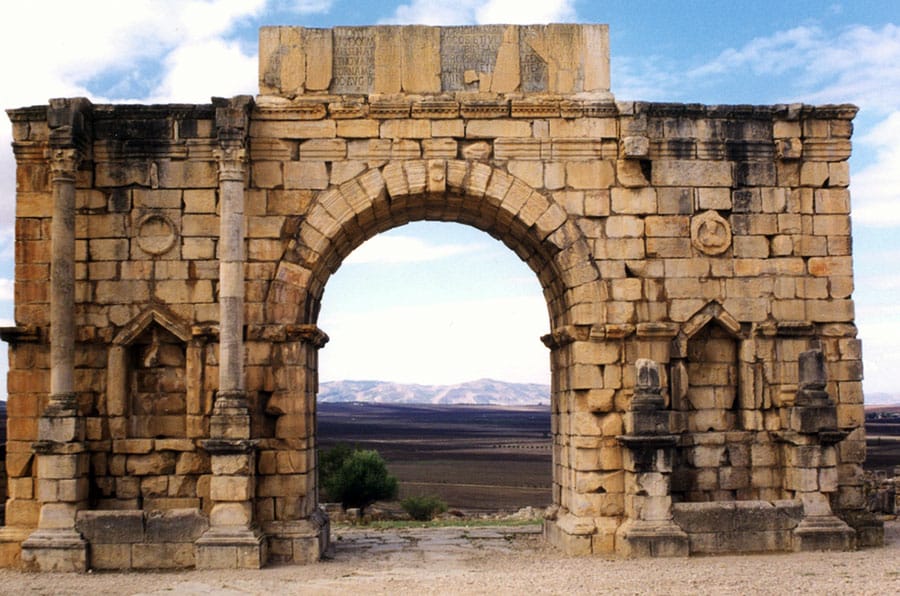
[437, 303]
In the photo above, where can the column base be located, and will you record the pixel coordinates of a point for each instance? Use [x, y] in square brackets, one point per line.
[869, 529]
[230, 548]
[11, 539]
[825, 532]
[300, 541]
[642, 538]
[55, 550]
[570, 534]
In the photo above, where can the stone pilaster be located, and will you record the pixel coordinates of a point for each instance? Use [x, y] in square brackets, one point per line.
[300, 532]
[62, 463]
[811, 460]
[233, 540]
[648, 453]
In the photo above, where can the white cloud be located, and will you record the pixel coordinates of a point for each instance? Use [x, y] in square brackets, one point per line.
[525, 13]
[304, 6]
[405, 249]
[213, 67]
[7, 287]
[645, 78]
[876, 188]
[879, 328]
[143, 50]
[440, 343]
[857, 64]
[116, 37]
[773, 55]
[462, 12]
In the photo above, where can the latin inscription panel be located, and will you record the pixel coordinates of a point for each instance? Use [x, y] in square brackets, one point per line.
[353, 60]
[532, 68]
[468, 48]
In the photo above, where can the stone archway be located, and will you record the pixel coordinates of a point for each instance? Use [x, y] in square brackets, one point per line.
[474, 193]
[338, 220]
[640, 220]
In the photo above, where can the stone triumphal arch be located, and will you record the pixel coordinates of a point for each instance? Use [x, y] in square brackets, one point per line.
[171, 259]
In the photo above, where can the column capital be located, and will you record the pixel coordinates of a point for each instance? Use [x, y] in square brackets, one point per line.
[64, 162]
[232, 127]
[231, 159]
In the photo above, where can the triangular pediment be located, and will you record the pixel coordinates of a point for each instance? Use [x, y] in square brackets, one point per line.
[713, 312]
[155, 314]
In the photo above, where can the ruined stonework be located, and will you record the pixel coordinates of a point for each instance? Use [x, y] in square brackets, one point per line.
[171, 261]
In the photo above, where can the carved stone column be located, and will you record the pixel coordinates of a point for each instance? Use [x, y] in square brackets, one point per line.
[62, 463]
[231, 122]
[811, 460]
[647, 458]
[233, 540]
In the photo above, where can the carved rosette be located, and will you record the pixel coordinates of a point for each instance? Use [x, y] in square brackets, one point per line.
[156, 234]
[710, 233]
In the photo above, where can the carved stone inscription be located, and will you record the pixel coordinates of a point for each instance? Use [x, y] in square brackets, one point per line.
[354, 60]
[471, 49]
[533, 68]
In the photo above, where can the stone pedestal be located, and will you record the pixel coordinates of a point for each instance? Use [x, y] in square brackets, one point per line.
[647, 459]
[825, 532]
[570, 533]
[649, 531]
[233, 541]
[811, 470]
[63, 489]
[299, 541]
[231, 548]
[60, 549]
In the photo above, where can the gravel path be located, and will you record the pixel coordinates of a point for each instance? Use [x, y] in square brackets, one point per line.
[499, 561]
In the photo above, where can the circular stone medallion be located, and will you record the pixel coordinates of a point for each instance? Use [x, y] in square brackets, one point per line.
[156, 234]
[710, 233]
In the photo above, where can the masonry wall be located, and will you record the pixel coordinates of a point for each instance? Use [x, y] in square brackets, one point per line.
[725, 224]
[706, 246]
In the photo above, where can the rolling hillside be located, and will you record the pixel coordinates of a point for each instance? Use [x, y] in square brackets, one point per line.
[480, 392]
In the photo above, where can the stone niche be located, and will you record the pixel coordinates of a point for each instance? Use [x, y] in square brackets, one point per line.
[696, 262]
[148, 377]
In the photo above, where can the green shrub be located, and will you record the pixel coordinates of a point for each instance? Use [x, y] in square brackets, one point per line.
[330, 461]
[361, 479]
[423, 508]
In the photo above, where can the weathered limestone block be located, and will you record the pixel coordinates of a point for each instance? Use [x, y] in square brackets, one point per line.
[174, 525]
[639, 219]
[390, 60]
[165, 555]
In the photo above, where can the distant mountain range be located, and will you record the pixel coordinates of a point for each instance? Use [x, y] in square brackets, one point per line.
[480, 392]
[882, 399]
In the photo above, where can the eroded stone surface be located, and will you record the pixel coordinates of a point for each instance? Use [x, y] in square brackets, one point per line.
[168, 359]
[493, 59]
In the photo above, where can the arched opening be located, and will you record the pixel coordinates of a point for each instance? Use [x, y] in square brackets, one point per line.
[435, 361]
[340, 219]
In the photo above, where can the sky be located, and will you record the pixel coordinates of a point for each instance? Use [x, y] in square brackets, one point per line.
[442, 303]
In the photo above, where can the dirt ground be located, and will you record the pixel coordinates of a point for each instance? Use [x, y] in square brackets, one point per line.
[497, 561]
